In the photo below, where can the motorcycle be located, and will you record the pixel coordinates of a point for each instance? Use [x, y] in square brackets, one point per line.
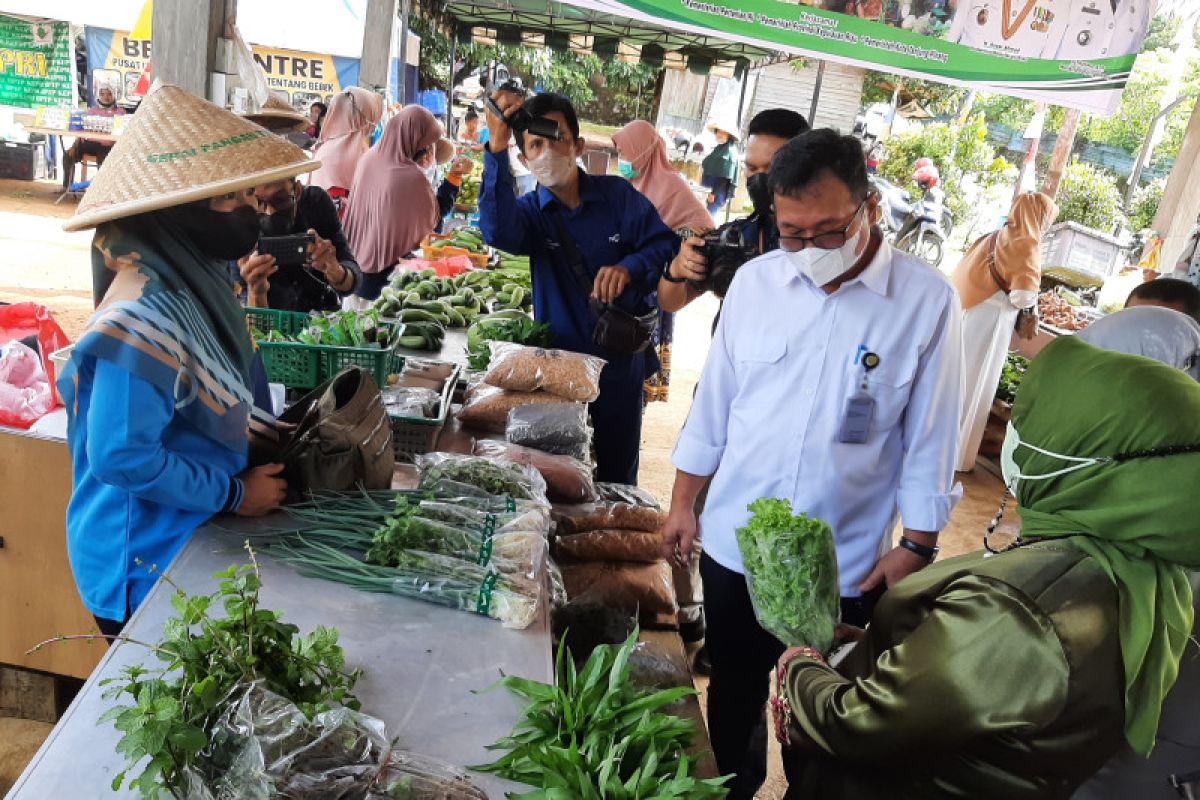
[927, 239]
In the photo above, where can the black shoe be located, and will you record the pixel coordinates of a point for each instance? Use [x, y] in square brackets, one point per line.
[700, 664]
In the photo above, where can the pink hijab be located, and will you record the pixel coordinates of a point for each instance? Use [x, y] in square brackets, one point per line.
[352, 116]
[393, 206]
[662, 184]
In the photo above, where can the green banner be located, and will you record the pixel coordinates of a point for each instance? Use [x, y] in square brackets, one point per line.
[1069, 52]
[36, 66]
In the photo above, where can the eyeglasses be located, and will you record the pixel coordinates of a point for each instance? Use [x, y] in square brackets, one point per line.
[829, 240]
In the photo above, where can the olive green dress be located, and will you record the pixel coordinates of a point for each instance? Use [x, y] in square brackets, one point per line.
[980, 677]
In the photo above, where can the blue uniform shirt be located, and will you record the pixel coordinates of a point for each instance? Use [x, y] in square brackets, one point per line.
[144, 480]
[614, 225]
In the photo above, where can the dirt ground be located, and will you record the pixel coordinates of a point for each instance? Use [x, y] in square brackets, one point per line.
[40, 262]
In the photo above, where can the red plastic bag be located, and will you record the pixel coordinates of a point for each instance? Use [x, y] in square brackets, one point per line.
[22, 320]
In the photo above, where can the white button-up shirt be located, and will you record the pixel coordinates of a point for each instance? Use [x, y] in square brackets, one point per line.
[768, 411]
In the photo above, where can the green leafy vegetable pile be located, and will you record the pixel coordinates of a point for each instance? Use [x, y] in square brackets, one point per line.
[206, 659]
[509, 327]
[1010, 378]
[598, 736]
[791, 567]
[339, 329]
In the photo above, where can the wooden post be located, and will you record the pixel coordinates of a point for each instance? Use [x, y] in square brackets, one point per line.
[377, 47]
[1062, 152]
[1181, 197]
[185, 41]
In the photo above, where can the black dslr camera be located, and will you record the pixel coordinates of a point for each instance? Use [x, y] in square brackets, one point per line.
[726, 251]
[522, 120]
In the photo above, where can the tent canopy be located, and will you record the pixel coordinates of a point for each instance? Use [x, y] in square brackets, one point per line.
[533, 19]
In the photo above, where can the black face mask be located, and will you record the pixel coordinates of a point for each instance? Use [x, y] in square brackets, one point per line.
[282, 221]
[223, 235]
[278, 224]
[760, 193]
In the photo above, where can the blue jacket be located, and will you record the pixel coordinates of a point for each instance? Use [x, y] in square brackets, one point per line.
[144, 480]
[614, 225]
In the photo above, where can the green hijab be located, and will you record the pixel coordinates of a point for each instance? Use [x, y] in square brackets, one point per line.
[1136, 517]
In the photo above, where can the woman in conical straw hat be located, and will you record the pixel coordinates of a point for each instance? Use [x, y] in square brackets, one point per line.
[160, 388]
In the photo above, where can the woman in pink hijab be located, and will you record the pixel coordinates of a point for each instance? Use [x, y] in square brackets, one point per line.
[345, 137]
[643, 159]
[394, 206]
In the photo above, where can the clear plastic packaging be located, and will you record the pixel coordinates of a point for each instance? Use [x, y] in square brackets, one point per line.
[624, 493]
[264, 747]
[637, 588]
[647, 668]
[493, 476]
[511, 598]
[411, 401]
[571, 376]
[514, 543]
[609, 545]
[560, 428]
[606, 516]
[588, 623]
[792, 575]
[487, 407]
[568, 480]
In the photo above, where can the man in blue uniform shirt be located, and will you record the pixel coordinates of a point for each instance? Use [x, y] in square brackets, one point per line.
[619, 239]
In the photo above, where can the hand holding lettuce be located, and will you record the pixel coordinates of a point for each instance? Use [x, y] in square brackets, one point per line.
[791, 569]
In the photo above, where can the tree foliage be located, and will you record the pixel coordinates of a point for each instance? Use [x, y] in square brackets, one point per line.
[938, 98]
[959, 152]
[1089, 196]
[606, 91]
[1145, 205]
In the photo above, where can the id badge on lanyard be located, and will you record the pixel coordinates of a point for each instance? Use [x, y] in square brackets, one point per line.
[860, 406]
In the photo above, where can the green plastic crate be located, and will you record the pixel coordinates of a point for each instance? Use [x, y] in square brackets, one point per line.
[289, 323]
[304, 366]
[416, 436]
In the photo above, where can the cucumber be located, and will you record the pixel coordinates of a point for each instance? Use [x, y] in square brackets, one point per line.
[416, 315]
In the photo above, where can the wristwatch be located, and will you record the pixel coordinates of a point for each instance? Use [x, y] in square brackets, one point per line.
[924, 551]
[669, 278]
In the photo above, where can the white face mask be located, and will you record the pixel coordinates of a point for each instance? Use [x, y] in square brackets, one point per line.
[1012, 472]
[552, 170]
[826, 266]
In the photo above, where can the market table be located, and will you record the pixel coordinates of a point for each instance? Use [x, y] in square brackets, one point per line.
[95, 136]
[421, 665]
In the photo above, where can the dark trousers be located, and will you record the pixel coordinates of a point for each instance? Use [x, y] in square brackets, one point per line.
[617, 431]
[743, 655]
[373, 283]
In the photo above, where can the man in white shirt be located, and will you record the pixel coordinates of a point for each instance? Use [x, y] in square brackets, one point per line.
[834, 380]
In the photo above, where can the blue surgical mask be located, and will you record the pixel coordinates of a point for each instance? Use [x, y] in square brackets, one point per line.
[626, 170]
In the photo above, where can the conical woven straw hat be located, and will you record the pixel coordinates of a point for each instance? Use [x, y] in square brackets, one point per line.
[179, 148]
[278, 117]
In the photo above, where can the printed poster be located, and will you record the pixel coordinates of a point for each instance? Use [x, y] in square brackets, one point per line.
[37, 63]
[1075, 53]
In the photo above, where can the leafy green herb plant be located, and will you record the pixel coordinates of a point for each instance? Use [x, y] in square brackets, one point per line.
[165, 730]
[598, 736]
[791, 567]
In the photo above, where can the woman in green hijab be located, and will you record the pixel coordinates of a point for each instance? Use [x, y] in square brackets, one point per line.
[1017, 675]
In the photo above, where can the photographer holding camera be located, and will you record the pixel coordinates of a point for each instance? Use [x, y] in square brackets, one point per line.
[708, 264]
[596, 248]
[287, 209]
